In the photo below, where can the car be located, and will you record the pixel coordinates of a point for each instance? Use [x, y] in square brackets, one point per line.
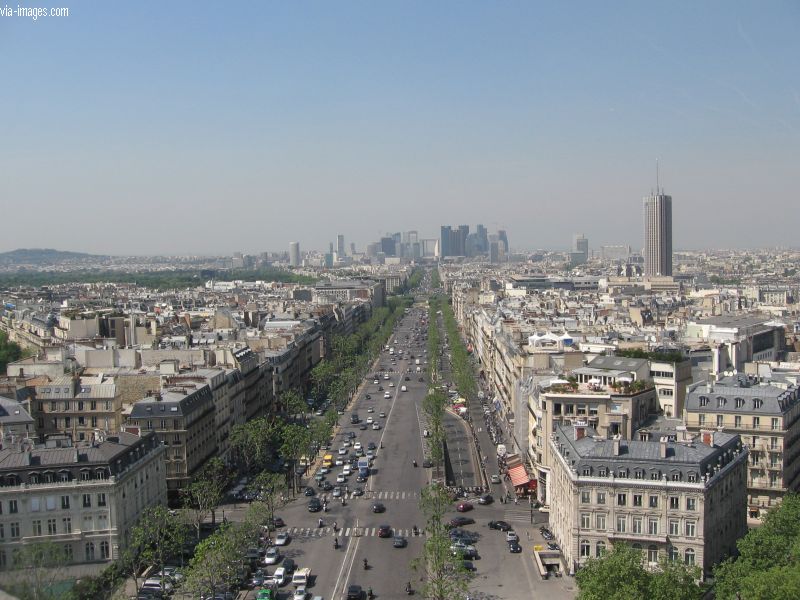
[468, 537]
[342, 451]
[468, 565]
[387, 395]
[156, 583]
[341, 478]
[546, 533]
[485, 499]
[370, 454]
[380, 388]
[376, 382]
[337, 492]
[351, 435]
[339, 461]
[324, 470]
[553, 546]
[376, 426]
[386, 376]
[499, 525]
[382, 415]
[258, 578]
[368, 397]
[309, 491]
[319, 412]
[314, 505]
[421, 379]
[399, 542]
[347, 470]
[514, 547]
[461, 521]
[354, 592]
[427, 463]
[371, 409]
[361, 479]
[280, 576]
[272, 556]
[357, 446]
[346, 443]
[511, 536]
[464, 507]
[282, 539]
[340, 412]
[495, 478]
[300, 594]
[384, 531]
[277, 523]
[363, 427]
[254, 554]
[371, 446]
[289, 565]
[358, 491]
[465, 550]
[326, 486]
[391, 384]
[407, 378]
[265, 594]
[172, 572]
[378, 507]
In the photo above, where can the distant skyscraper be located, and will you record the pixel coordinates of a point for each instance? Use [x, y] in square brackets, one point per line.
[503, 237]
[484, 238]
[352, 248]
[580, 249]
[444, 244]
[340, 245]
[388, 246]
[657, 235]
[294, 254]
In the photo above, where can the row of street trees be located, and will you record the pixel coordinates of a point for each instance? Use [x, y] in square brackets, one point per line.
[462, 371]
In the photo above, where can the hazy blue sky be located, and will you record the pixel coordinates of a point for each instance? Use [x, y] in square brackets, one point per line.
[198, 127]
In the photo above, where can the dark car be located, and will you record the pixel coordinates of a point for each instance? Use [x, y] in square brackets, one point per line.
[289, 565]
[354, 592]
[277, 523]
[468, 566]
[371, 446]
[310, 491]
[384, 531]
[464, 507]
[485, 499]
[499, 525]
[514, 547]
[546, 533]
[363, 427]
[461, 521]
[368, 397]
[326, 486]
[421, 379]
[552, 546]
[407, 378]
[399, 541]
[314, 505]
[468, 537]
[378, 508]
[427, 463]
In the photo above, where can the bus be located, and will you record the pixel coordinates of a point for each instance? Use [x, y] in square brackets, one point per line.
[327, 461]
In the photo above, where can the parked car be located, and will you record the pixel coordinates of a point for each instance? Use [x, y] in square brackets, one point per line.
[514, 547]
[289, 565]
[258, 578]
[464, 507]
[499, 525]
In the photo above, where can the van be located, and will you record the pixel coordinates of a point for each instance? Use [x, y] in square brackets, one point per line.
[327, 461]
[403, 388]
[301, 577]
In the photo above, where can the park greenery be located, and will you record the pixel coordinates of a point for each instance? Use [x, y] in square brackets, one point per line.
[621, 573]
[160, 280]
[768, 564]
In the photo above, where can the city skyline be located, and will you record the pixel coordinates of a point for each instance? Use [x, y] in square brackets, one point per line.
[538, 120]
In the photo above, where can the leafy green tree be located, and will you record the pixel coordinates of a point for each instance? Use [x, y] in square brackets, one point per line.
[618, 574]
[271, 488]
[202, 496]
[293, 404]
[35, 570]
[213, 568]
[9, 351]
[157, 536]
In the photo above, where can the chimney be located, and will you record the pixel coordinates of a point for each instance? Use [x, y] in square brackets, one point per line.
[662, 447]
[615, 445]
[580, 432]
[707, 437]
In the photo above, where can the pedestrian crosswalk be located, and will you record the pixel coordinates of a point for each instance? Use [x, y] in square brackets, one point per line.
[519, 515]
[320, 532]
[391, 495]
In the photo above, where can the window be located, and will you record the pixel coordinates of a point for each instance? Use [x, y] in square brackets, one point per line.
[599, 549]
[721, 402]
[688, 557]
[622, 522]
[94, 421]
[101, 499]
[89, 551]
[585, 497]
[719, 420]
[585, 519]
[652, 554]
[68, 558]
[674, 526]
[674, 503]
[587, 471]
[87, 501]
[692, 478]
[14, 528]
[655, 475]
[691, 504]
[65, 502]
[602, 472]
[585, 549]
[737, 422]
[776, 424]
[622, 499]
[702, 418]
[36, 527]
[12, 507]
[739, 402]
[690, 528]
[104, 553]
[51, 527]
[67, 523]
[2, 532]
[653, 501]
[756, 422]
[93, 405]
[637, 499]
[3, 559]
[51, 503]
[600, 520]
[67, 422]
[80, 405]
[601, 497]
[637, 525]
[757, 402]
[703, 401]
[652, 526]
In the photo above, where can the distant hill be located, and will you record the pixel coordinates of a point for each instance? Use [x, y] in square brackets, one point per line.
[42, 256]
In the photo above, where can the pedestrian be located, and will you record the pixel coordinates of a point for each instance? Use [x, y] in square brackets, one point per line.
[516, 500]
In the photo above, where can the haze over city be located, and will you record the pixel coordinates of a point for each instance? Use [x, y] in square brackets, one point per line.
[145, 128]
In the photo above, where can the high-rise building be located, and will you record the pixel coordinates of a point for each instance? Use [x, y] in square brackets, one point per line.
[352, 248]
[580, 249]
[461, 240]
[503, 237]
[657, 235]
[388, 246]
[484, 238]
[294, 254]
[444, 246]
[340, 245]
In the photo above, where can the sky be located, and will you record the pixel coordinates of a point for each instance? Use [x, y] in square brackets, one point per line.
[209, 128]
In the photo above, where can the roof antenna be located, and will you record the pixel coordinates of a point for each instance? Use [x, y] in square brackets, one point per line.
[658, 193]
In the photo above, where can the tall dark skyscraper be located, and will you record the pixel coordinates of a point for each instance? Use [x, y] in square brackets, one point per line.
[340, 245]
[483, 238]
[444, 243]
[657, 234]
[388, 246]
[503, 237]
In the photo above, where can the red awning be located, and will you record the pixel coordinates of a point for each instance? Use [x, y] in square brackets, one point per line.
[518, 476]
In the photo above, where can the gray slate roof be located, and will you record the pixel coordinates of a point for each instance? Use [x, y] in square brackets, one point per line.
[774, 400]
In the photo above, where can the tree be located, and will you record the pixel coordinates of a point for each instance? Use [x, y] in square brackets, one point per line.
[157, 536]
[9, 351]
[36, 568]
[444, 576]
[271, 488]
[204, 494]
[293, 403]
[769, 557]
[214, 565]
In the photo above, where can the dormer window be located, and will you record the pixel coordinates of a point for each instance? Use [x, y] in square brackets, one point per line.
[739, 402]
[721, 402]
[703, 401]
[757, 402]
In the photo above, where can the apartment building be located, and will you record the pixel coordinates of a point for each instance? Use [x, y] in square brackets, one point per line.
[767, 417]
[83, 497]
[683, 500]
[184, 421]
[671, 380]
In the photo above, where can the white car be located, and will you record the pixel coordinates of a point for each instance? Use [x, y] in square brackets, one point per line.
[371, 409]
[369, 420]
[346, 470]
[342, 451]
[339, 461]
[340, 478]
[376, 426]
[382, 415]
[387, 395]
[272, 556]
[346, 443]
[358, 445]
[404, 389]
[324, 470]
[279, 576]
[391, 384]
[300, 594]
[282, 539]
[386, 376]
[376, 382]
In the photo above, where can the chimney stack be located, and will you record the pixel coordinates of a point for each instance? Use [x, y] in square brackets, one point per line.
[580, 432]
[615, 445]
[707, 437]
[662, 447]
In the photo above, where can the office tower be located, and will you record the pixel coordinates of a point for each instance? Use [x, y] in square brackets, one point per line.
[472, 246]
[461, 244]
[340, 245]
[444, 246]
[484, 238]
[494, 252]
[373, 249]
[503, 237]
[352, 248]
[397, 237]
[580, 249]
[294, 254]
[657, 234]
[413, 236]
[429, 247]
[388, 246]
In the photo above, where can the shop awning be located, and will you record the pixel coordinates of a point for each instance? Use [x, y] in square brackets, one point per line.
[519, 476]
